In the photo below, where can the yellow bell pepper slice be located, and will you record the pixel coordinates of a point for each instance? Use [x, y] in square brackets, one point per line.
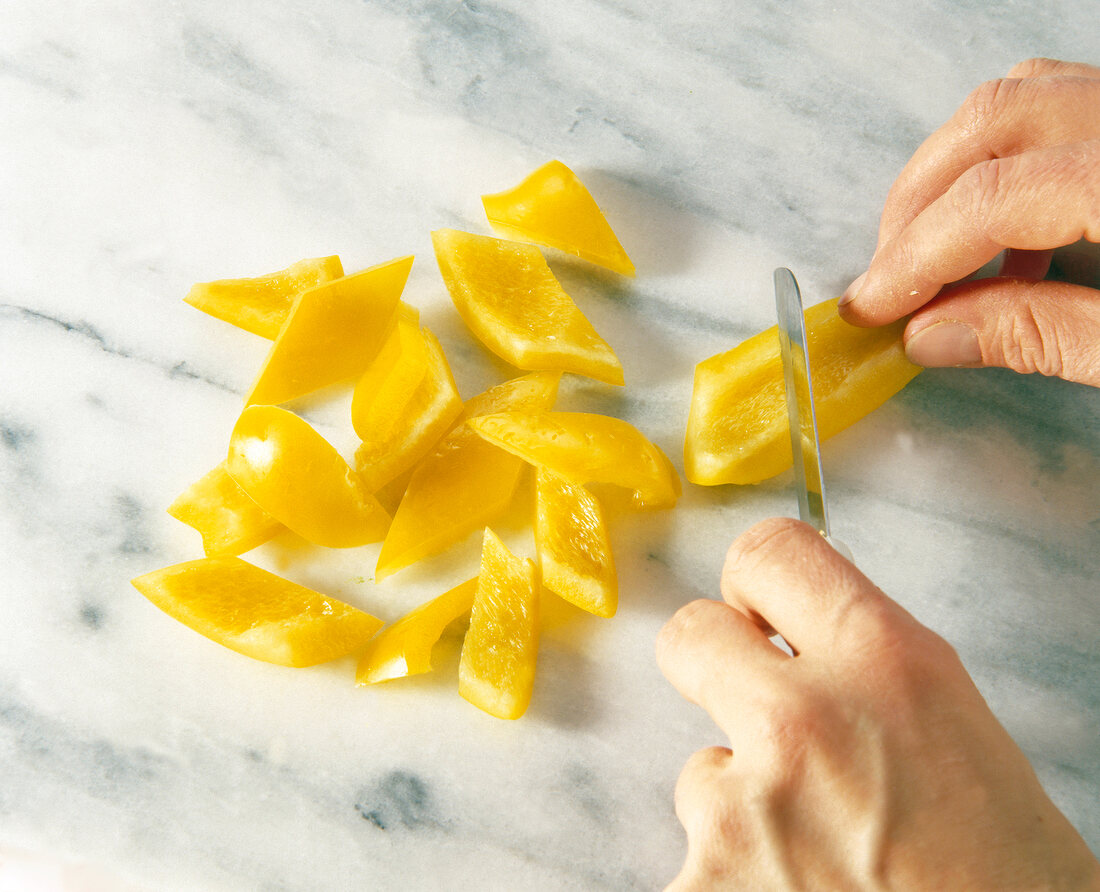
[298, 478]
[586, 448]
[229, 521]
[257, 613]
[509, 299]
[261, 304]
[405, 648]
[400, 412]
[574, 549]
[464, 482]
[332, 333]
[552, 207]
[737, 429]
[496, 671]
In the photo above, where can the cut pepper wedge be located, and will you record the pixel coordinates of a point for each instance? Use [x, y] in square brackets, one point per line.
[737, 429]
[509, 299]
[257, 613]
[261, 304]
[229, 521]
[464, 482]
[574, 550]
[405, 648]
[402, 412]
[332, 333]
[552, 207]
[298, 478]
[586, 448]
[496, 672]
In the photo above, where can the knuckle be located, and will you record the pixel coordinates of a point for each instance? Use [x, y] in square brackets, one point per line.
[679, 627]
[765, 542]
[1029, 342]
[978, 193]
[982, 109]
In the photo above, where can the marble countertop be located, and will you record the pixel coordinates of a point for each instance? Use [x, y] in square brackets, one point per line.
[146, 147]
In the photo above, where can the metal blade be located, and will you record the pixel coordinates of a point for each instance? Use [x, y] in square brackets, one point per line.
[800, 402]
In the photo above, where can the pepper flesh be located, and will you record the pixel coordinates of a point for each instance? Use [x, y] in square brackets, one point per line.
[510, 300]
[298, 478]
[574, 549]
[332, 333]
[737, 429]
[261, 304]
[228, 520]
[552, 207]
[496, 671]
[257, 613]
[586, 448]
[464, 482]
[405, 648]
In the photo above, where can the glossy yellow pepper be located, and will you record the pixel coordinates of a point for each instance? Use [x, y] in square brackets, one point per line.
[229, 521]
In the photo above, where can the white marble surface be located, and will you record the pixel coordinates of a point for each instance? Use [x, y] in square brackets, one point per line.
[146, 146]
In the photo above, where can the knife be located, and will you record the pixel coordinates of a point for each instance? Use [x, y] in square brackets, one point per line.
[805, 443]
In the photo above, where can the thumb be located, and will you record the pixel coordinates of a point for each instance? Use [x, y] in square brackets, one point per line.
[1048, 327]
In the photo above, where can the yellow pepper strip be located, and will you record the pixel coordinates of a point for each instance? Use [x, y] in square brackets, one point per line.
[332, 333]
[574, 549]
[405, 648]
[552, 207]
[464, 482]
[737, 429]
[398, 428]
[496, 671]
[257, 613]
[509, 299]
[385, 388]
[586, 448]
[228, 520]
[298, 478]
[261, 304]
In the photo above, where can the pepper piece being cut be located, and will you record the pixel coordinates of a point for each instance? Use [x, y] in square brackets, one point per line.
[229, 521]
[405, 648]
[586, 448]
[257, 613]
[298, 478]
[737, 429]
[497, 669]
[332, 333]
[510, 300]
[552, 207]
[464, 482]
[261, 304]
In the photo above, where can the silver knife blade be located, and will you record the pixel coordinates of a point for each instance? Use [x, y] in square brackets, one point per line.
[805, 445]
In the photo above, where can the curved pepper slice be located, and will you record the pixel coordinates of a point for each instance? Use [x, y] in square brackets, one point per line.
[464, 482]
[261, 304]
[400, 412]
[229, 521]
[257, 613]
[497, 669]
[509, 299]
[552, 207]
[405, 648]
[573, 546]
[298, 478]
[332, 333]
[737, 426]
[586, 448]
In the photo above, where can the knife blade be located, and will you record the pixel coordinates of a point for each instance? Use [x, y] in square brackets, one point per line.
[805, 445]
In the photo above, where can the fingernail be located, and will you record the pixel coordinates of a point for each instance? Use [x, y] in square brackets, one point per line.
[852, 290]
[944, 344]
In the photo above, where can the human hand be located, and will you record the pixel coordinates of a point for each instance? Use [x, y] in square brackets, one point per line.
[867, 761]
[1018, 168]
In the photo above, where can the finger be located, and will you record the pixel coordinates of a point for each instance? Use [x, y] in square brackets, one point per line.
[998, 119]
[1038, 200]
[1040, 67]
[1048, 327]
[698, 783]
[1025, 264]
[716, 658]
[785, 576]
